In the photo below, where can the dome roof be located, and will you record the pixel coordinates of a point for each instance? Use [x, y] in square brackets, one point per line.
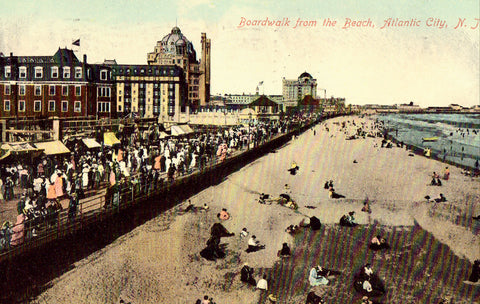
[305, 74]
[175, 43]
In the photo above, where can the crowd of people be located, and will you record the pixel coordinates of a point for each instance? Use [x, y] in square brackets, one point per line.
[47, 185]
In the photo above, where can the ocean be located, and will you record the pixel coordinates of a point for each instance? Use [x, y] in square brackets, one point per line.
[458, 134]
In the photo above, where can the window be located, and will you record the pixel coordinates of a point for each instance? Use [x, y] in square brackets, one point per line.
[66, 72]
[103, 107]
[64, 90]
[103, 92]
[8, 89]
[77, 106]
[23, 72]
[38, 90]
[6, 105]
[54, 72]
[38, 72]
[103, 75]
[78, 90]
[8, 72]
[51, 106]
[22, 90]
[37, 106]
[21, 106]
[78, 72]
[51, 90]
[119, 108]
[64, 106]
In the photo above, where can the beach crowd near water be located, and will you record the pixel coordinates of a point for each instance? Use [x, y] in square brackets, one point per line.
[331, 217]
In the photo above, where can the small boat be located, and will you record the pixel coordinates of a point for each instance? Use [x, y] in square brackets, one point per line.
[429, 138]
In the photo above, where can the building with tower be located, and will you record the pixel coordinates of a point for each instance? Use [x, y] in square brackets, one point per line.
[176, 49]
[294, 90]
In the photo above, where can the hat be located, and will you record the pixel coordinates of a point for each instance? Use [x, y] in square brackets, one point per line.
[272, 298]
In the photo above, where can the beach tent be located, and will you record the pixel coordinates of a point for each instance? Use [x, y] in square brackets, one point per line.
[109, 139]
[91, 143]
[52, 147]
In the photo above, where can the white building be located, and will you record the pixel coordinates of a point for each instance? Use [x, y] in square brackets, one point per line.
[295, 90]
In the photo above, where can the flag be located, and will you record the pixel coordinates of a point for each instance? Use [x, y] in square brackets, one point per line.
[260, 83]
[76, 42]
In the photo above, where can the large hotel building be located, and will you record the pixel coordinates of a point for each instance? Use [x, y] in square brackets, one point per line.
[172, 84]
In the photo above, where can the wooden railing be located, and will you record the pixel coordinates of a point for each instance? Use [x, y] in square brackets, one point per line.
[96, 208]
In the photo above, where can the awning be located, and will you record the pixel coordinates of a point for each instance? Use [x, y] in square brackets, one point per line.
[52, 147]
[91, 143]
[109, 139]
[163, 135]
[19, 147]
[181, 130]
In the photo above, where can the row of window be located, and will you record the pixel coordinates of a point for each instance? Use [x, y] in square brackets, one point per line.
[142, 71]
[37, 106]
[38, 72]
[38, 90]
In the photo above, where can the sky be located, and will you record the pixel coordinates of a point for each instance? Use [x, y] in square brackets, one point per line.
[429, 62]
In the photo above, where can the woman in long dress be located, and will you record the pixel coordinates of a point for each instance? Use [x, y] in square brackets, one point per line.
[315, 278]
[18, 231]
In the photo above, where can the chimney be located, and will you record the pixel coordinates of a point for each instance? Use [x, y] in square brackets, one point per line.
[84, 58]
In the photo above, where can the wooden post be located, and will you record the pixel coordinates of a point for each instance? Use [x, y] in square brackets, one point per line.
[56, 128]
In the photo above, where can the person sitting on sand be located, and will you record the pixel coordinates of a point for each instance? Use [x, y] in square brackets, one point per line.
[206, 300]
[378, 243]
[326, 186]
[246, 275]
[367, 286]
[315, 223]
[262, 283]
[293, 168]
[366, 300]
[244, 233]
[475, 276]
[213, 250]
[205, 207]
[433, 182]
[439, 182]
[263, 198]
[219, 231]
[441, 198]
[348, 220]
[285, 252]
[292, 229]
[316, 278]
[312, 298]
[367, 270]
[305, 222]
[330, 184]
[333, 194]
[254, 244]
[223, 215]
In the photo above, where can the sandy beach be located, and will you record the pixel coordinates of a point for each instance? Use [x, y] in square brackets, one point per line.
[159, 262]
